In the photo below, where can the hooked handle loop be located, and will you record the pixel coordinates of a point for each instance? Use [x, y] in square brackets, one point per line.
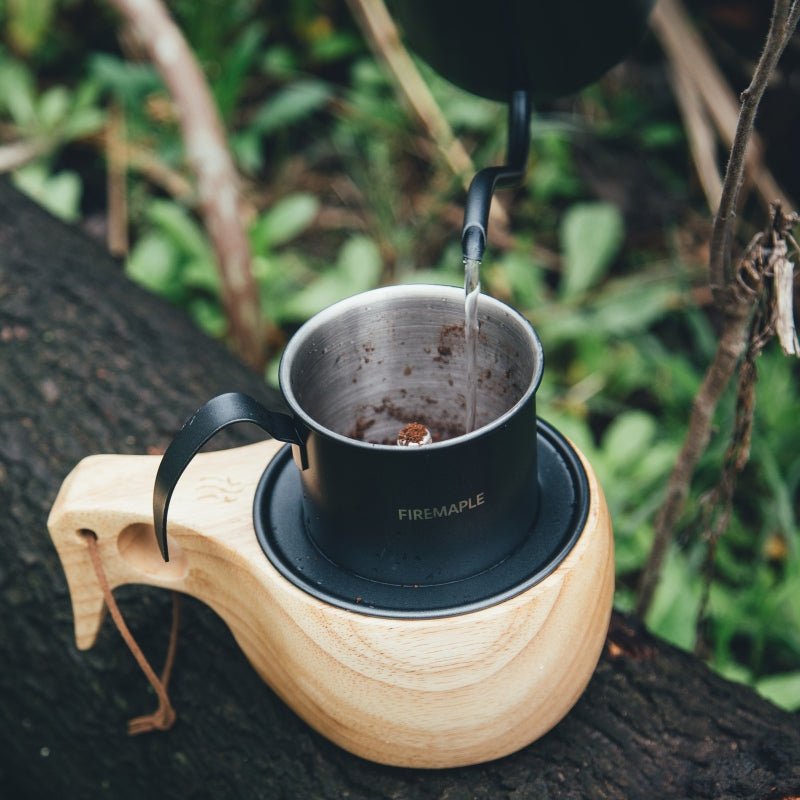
[507, 176]
[218, 413]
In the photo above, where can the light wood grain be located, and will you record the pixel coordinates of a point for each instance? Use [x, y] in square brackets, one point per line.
[421, 693]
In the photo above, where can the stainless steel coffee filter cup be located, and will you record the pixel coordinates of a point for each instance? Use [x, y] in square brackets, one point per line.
[356, 374]
[368, 365]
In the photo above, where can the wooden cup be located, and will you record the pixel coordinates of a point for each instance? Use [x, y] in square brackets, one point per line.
[440, 692]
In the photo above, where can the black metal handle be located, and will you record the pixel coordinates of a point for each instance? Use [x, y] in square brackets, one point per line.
[207, 421]
[510, 174]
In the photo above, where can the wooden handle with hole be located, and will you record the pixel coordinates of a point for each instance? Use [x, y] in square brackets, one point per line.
[409, 692]
[111, 496]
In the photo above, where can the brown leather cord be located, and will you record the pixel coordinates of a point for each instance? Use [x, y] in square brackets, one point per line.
[163, 718]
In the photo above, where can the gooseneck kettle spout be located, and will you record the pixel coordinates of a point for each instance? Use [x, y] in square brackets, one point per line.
[528, 50]
[507, 176]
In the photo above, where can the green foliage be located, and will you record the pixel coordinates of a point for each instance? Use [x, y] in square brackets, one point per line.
[50, 117]
[591, 235]
[28, 22]
[316, 127]
[783, 689]
[357, 269]
[287, 219]
[290, 105]
[552, 174]
[59, 193]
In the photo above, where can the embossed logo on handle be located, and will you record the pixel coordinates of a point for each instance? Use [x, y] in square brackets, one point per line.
[217, 488]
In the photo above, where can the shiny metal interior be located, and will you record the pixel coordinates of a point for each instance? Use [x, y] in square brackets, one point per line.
[365, 367]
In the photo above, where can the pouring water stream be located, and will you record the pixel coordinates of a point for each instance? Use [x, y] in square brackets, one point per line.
[472, 290]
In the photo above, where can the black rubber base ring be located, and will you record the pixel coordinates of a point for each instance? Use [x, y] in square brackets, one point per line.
[278, 521]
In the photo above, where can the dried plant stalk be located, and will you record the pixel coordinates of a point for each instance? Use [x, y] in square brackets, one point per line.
[116, 175]
[208, 155]
[688, 54]
[733, 299]
[380, 31]
[784, 307]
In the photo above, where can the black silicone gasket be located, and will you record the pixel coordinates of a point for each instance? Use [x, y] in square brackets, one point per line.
[278, 520]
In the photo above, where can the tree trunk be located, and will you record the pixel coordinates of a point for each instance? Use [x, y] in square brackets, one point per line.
[90, 364]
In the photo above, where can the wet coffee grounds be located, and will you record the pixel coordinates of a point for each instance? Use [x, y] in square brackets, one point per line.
[413, 433]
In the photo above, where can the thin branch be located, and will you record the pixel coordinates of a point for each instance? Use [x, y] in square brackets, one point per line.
[160, 173]
[116, 174]
[687, 51]
[702, 142]
[18, 154]
[735, 305]
[698, 434]
[720, 271]
[208, 155]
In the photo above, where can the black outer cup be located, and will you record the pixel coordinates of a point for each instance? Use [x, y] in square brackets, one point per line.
[352, 377]
[424, 516]
[429, 515]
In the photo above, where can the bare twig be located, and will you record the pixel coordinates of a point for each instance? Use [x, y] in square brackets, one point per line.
[784, 308]
[115, 181]
[17, 154]
[717, 505]
[701, 135]
[380, 31]
[160, 173]
[731, 296]
[688, 52]
[211, 162]
[782, 24]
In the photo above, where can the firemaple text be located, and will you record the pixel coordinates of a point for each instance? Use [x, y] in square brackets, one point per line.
[435, 512]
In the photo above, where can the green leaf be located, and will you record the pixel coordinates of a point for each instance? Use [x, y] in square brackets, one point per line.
[524, 278]
[336, 46]
[627, 308]
[783, 690]
[291, 105]
[82, 122]
[208, 316]
[272, 372]
[591, 235]
[469, 112]
[628, 437]
[239, 59]
[201, 273]
[60, 194]
[358, 268]
[662, 134]
[631, 545]
[28, 22]
[553, 173]
[185, 233]
[53, 107]
[127, 80]
[676, 602]
[279, 61]
[360, 260]
[288, 218]
[247, 150]
[17, 93]
[153, 263]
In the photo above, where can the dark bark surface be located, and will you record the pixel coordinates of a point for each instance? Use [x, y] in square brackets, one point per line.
[89, 364]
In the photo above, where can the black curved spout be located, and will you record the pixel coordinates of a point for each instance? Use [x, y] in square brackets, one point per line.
[510, 174]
